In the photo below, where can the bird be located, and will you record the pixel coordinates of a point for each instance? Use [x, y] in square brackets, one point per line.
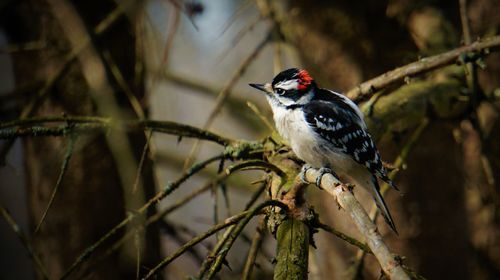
[327, 131]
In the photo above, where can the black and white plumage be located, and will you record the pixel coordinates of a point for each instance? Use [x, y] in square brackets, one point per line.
[326, 130]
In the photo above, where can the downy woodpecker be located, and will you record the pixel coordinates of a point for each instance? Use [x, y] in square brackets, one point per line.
[327, 131]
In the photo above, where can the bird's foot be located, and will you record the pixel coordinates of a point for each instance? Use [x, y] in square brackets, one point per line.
[303, 171]
[323, 171]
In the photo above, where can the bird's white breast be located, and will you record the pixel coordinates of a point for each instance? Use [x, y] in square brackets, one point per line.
[310, 147]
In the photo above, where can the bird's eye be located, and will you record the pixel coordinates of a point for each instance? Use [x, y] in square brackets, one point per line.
[280, 91]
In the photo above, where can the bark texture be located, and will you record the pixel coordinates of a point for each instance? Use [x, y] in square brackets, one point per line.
[91, 198]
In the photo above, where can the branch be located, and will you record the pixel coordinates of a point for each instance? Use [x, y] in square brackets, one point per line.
[293, 229]
[31, 251]
[397, 165]
[157, 198]
[244, 217]
[32, 127]
[293, 250]
[345, 237]
[390, 265]
[225, 93]
[234, 102]
[253, 251]
[231, 237]
[162, 213]
[427, 64]
[67, 60]
[64, 168]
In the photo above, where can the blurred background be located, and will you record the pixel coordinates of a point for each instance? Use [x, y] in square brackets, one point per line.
[190, 62]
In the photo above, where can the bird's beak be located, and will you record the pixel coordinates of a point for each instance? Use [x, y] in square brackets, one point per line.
[267, 88]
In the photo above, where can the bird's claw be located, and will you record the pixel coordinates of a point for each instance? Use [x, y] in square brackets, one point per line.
[303, 171]
[322, 171]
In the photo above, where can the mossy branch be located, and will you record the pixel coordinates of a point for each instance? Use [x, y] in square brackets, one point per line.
[81, 124]
[292, 253]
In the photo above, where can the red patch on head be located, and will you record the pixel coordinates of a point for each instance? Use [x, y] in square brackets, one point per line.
[305, 80]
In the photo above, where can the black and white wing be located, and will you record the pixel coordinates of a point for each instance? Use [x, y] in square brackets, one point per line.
[345, 130]
[343, 127]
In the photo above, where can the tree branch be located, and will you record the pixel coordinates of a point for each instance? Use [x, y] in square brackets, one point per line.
[32, 127]
[27, 244]
[427, 64]
[390, 265]
[243, 218]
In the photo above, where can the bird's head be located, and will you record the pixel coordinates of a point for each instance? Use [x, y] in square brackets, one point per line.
[292, 86]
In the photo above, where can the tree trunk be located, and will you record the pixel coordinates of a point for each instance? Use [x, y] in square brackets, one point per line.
[91, 198]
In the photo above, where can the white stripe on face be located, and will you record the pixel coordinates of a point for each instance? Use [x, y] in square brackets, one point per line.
[288, 85]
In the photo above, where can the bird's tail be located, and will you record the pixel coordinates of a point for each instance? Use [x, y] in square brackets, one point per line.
[379, 200]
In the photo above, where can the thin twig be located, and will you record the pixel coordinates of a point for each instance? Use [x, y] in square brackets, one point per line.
[141, 162]
[161, 214]
[208, 261]
[345, 237]
[27, 244]
[234, 101]
[137, 243]
[158, 197]
[174, 27]
[254, 250]
[174, 232]
[120, 80]
[231, 237]
[225, 92]
[261, 116]
[64, 168]
[244, 217]
[256, 194]
[465, 22]
[30, 108]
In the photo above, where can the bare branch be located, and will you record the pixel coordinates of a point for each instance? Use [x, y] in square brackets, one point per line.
[226, 91]
[231, 237]
[389, 263]
[427, 64]
[345, 237]
[30, 108]
[253, 251]
[64, 168]
[157, 198]
[244, 217]
[17, 230]
[397, 165]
